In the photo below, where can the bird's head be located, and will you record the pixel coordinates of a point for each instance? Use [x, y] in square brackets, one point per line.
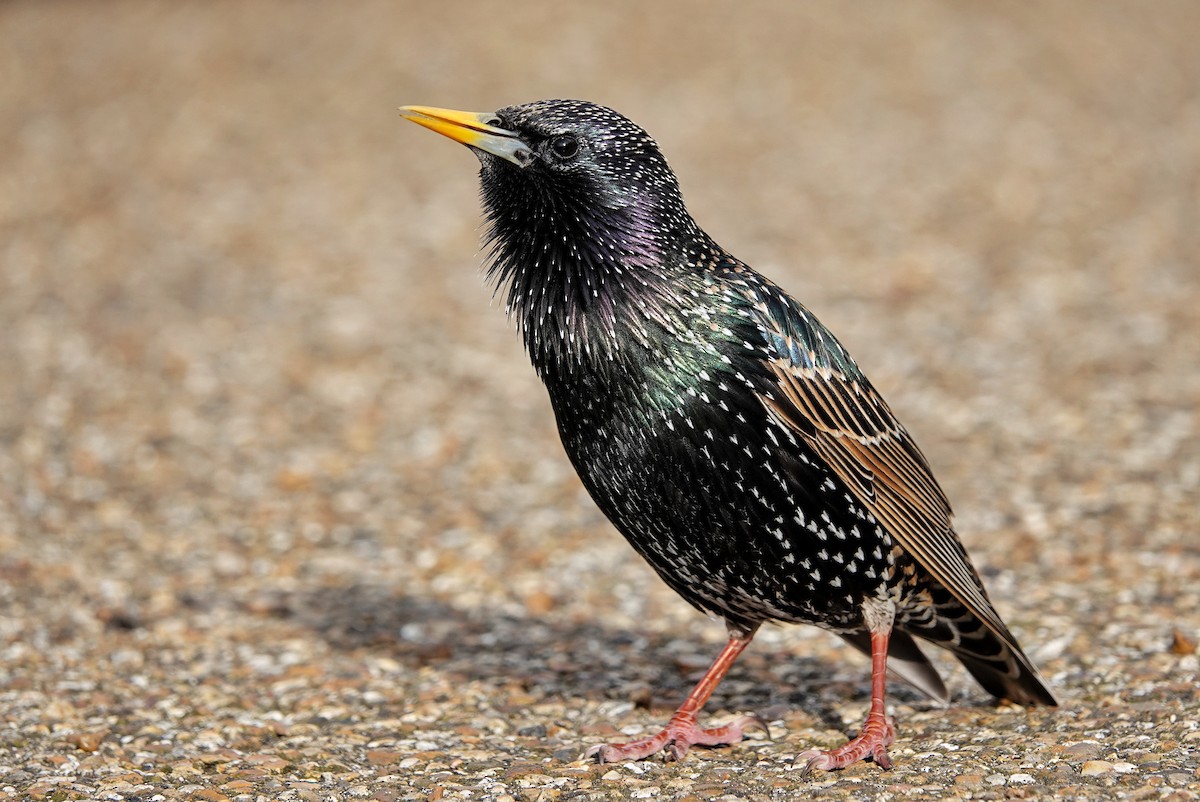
[556, 169]
[569, 146]
[584, 212]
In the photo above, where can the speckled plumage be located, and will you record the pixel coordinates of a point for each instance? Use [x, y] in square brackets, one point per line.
[720, 427]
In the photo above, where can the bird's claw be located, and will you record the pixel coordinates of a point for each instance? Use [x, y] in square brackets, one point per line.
[676, 739]
[873, 741]
[755, 721]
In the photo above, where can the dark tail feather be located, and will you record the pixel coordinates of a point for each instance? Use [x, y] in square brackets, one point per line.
[1002, 669]
[986, 648]
[993, 657]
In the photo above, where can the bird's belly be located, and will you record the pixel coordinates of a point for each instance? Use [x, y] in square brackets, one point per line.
[724, 527]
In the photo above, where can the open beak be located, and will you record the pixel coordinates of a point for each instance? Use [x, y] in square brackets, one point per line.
[473, 130]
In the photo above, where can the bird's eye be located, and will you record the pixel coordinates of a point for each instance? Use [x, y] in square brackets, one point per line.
[564, 147]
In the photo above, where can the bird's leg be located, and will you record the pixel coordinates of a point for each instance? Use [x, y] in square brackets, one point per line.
[682, 732]
[878, 732]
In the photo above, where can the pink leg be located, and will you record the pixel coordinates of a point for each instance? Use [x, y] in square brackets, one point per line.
[682, 731]
[878, 732]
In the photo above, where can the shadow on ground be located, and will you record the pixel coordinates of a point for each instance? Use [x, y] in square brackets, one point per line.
[577, 660]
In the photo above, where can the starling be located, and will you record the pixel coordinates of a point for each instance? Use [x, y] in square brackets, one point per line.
[722, 429]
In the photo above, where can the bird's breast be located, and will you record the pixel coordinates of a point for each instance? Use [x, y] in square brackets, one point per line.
[739, 522]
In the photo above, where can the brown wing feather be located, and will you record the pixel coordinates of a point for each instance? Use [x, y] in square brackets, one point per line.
[850, 425]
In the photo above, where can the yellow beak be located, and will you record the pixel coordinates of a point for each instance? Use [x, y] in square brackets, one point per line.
[472, 129]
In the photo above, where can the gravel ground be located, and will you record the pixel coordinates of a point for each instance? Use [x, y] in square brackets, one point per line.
[283, 514]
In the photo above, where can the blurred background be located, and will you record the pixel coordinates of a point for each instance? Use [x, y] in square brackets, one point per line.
[259, 410]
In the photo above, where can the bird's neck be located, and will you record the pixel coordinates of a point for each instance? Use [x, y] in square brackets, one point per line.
[589, 293]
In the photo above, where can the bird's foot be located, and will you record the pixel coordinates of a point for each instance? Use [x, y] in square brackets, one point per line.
[681, 733]
[877, 734]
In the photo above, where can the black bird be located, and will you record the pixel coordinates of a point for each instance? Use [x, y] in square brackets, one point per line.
[720, 427]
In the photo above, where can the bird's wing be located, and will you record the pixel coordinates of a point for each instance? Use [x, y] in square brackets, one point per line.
[818, 392]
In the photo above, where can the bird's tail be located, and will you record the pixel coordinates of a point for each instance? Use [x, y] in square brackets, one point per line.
[987, 649]
[1002, 668]
[991, 654]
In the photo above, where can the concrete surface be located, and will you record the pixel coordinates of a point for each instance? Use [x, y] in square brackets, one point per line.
[283, 514]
